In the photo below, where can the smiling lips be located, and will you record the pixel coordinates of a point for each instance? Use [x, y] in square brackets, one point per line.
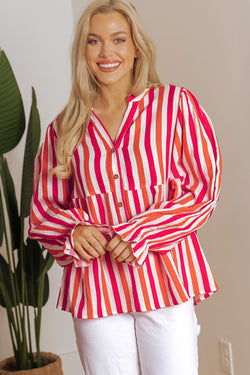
[108, 67]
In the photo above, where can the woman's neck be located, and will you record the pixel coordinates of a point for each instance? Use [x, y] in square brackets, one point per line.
[112, 97]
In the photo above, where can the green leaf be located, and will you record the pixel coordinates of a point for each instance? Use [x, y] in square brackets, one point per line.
[12, 117]
[32, 143]
[1, 231]
[33, 259]
[1, 219]
[6, 298]
[11, 202]
[47, 263]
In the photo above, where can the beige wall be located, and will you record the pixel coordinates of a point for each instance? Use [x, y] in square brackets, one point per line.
[204, 46]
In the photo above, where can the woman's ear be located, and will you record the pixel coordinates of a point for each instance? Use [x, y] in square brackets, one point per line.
[136, 53]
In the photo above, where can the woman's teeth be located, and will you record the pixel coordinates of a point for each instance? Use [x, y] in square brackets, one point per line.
[112, 65]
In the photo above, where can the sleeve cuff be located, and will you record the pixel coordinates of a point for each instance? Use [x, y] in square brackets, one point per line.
[69, 248]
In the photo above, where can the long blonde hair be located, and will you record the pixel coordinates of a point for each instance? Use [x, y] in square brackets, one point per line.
[75, 116]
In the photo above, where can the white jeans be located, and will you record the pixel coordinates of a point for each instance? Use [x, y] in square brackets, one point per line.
[158, 342]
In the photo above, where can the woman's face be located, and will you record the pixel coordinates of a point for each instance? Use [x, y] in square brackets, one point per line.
[110, 50]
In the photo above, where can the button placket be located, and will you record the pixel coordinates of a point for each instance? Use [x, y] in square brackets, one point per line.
[116, 178]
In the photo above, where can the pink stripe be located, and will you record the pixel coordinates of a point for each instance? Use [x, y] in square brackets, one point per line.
[148, 140]
[127, 124]
[127, 160]
[197, 156]
[114, 284]
[54, 162]
[121, 189]
[66, 290]
[97, 288]
[78, 171]
[152, 283]
[81, 305]
[183, 268]
[101, 209]
[201, 263]
[205, 123]
[169, 123]
[97, 159]
[135, 294]
[175, 302]
[136, 201]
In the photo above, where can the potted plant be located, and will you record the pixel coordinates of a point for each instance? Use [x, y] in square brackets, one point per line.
[24, 283]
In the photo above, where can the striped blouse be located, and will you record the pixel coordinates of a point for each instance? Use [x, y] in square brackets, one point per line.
[155, 186]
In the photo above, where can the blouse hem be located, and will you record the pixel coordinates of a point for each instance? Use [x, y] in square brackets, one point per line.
[196, 299]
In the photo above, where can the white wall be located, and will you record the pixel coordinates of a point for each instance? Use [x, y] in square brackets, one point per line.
[36, 36]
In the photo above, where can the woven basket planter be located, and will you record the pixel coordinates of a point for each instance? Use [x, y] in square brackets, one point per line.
[52, 365]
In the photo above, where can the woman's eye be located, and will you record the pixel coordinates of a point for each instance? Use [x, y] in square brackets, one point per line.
[93, 41]
[119, 40]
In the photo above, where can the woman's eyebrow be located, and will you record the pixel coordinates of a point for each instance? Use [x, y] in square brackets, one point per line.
[113, 34]
[119, 32]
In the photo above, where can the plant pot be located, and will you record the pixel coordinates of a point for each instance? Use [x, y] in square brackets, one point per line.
[52, 365]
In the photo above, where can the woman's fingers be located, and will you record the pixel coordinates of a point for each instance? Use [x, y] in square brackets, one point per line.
[120, 250]
[86, 246]
[126, 256]
[83, 253]
[112, 244]
[89, 242]
[92, 245]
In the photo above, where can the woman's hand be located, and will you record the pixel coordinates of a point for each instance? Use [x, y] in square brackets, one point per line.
[89, 243]
[120, 250]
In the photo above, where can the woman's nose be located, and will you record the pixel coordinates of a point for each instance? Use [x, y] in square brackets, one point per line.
[106, 50]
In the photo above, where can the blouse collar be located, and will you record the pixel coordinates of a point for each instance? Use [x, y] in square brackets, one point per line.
[132, 98]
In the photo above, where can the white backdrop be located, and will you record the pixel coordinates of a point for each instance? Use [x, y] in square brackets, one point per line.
[36, 36]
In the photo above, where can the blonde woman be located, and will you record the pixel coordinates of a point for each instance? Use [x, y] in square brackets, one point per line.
[127, 173]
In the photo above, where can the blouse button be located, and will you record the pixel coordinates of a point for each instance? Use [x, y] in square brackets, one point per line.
[120, 204]
[116, 176]
[112, 150]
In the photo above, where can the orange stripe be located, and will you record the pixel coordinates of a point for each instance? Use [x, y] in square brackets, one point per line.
[175, 278]
[158, 130]
[140, 167]
[173, 237]
[45, 170]
[190, 160]
[144, 288]
[177, 144]
[88, 294]
[77, 278]
[204, 147]
[105, 293]
[160, 193]
[192, 269]
[127, 204]
[145, 198]
[110, 214]
[92, 210]
[125, 286]
[87, 174]
[173, 252]
[159, 272]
